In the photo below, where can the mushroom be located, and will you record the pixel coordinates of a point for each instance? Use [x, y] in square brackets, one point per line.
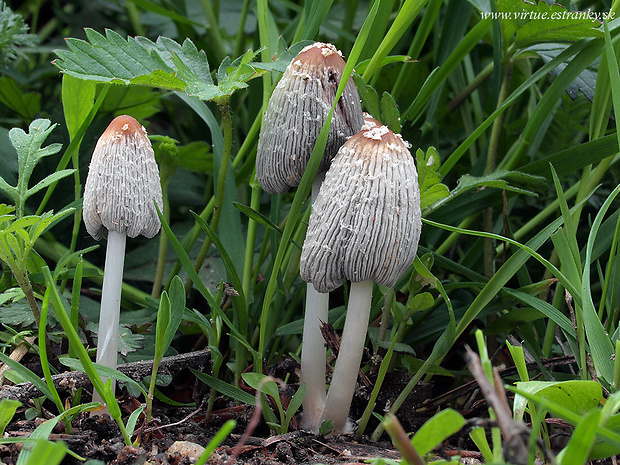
[293, 120]
[365, 226]
[296, 113]
[122, 182]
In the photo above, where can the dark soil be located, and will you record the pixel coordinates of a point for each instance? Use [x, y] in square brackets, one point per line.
[98, 437]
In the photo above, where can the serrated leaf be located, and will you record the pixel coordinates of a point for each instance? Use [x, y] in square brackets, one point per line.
[431, 188]
[524, 23]
[29, 152]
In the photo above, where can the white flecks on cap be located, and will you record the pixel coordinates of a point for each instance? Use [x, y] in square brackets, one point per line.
[123, 180]
[366, 220]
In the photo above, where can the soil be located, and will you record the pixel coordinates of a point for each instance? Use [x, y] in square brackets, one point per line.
[98, 437]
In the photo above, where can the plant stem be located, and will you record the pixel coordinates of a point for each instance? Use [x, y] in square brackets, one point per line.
[220, 186]
[344, 378]
[109, 316]
[163, 245]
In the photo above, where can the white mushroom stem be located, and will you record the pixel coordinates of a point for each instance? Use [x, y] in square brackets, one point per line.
[107, 341]
[313, 352]
[342, 387]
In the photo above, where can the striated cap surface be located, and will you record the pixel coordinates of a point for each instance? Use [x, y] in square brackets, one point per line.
[123, 180]
[366, 221]
[296, 113]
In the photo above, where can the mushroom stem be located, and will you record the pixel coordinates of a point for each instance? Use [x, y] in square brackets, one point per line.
[344, 378]
[107, 341]
[313, 352]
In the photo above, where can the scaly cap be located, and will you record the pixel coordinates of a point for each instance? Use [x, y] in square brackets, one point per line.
[296, 113]
[366, 220]
[122, 182]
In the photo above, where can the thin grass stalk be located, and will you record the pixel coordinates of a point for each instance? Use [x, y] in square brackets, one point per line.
[220, 186]
[163, 245]
[75, 301]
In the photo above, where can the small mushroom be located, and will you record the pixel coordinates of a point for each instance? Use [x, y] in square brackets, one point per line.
[297, 110]
[122, 182]
[365, 226]
[296, 113]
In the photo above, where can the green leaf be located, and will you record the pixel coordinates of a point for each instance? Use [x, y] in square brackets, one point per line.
[8, 407]
[578, 448]
[13, 35]
[225, 388]
[390, 116]
[437, 429]
[431, 188]
[47, 452]
[27, 375]
[102, 371]
[25, 104]
[525, 23]
[577, 396]
[369, 96]
[29, 152]
[78, 97]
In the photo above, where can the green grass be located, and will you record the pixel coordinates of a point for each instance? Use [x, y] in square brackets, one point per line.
[519, 184]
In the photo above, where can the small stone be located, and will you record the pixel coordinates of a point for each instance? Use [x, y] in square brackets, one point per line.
[184, 452]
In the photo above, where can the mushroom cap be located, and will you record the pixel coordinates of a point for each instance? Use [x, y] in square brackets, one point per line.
[122, 182]
[296, 113]
[366, 221]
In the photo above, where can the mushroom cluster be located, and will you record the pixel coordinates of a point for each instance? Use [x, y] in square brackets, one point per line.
[121, 188]
[297, 110]
[365, 226]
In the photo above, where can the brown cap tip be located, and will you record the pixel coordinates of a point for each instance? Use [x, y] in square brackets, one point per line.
[122, 182]
[366, 220]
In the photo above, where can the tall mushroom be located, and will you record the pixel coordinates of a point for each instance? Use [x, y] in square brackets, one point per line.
[121, 187]
[365, 226]
[293, 120]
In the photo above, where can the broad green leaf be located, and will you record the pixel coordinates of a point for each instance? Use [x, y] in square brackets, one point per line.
[437, 429]
[78, 97]
[47, 452]
[25, 104]
[578, 396]
[163, 323]
[8, 407]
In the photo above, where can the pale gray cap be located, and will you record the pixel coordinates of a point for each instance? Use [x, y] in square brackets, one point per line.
[123, 180]
[296, 113]
[366, 220]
